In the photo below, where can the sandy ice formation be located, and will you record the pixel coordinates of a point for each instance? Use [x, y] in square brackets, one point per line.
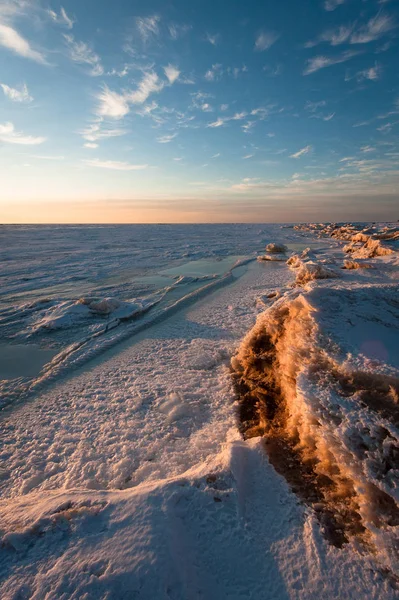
[318, 377]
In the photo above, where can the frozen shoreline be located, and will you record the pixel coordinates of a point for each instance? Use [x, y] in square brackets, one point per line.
[131, 477]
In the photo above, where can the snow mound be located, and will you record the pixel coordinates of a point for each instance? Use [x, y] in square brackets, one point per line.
[310, 270]
[325, 400]
[357, 264]
[70, 314]
[275, 248]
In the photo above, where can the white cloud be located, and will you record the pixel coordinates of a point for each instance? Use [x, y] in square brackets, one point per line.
[176, 30]
[90, 145]
[148, 26]
[216, 155]
[10, 136]
[165, 139]
[248, 126]
[96, 131]
[218, 123]
[265, 40]
[374, 29]
[367, 149]
[301, 152]
[321, 62]
[81, 53]
[212, 39]
[313, 106]
[172, 73]
[337, 36]
[214, 73]
[115, 105]
[17, 95]
[332, 4]
[148, 85]
[112, 104]
[248, 156]
[206, 107]
[12, 40]
[224, 107]
[329, 117]
[62, 18]
[372, 74]
[239, 116]
[113, 164]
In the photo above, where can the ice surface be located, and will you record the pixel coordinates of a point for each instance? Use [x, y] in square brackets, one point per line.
[126, 476]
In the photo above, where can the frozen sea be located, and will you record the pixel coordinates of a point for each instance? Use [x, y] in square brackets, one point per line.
[126, 467]
[68, 292]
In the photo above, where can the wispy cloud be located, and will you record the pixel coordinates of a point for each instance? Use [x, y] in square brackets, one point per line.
[367, 149]
[148, 27]
[371, 31]
[265, 40]
[301, 152]
[115, 105]
[10, 136]
[17, 95]
[374, 29]
[81, 53]
[371, 74]
[212, 39]
[248, 126]
[314, 106]
[112, 104]
[97, 131]
[90, 145]
[172, 73]
[113, 164]
[247, 156]
[13, 41]
[165, 139]
[218, 123]
[62, 18]
[321, 62]
[148, 85]
[177, 30]
[214, 73]
[332, 4]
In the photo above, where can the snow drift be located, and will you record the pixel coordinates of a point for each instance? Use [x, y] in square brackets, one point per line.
[331, 428]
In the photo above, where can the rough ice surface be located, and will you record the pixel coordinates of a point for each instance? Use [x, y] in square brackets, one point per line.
[123, 471]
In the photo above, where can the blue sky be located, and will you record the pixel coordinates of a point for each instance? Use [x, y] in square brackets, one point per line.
[199, 110]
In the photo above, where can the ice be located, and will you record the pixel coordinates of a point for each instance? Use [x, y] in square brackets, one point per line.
[126, 469]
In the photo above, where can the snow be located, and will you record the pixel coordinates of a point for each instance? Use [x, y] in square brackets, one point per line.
[124, 473]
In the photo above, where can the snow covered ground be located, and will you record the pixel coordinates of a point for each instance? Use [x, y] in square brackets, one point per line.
[135, 475]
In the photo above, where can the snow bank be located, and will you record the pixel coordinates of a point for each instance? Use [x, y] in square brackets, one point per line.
[318, 377]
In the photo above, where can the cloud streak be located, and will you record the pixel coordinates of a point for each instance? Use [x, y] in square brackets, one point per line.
[321, 62]
[17, 95]
[81, 53]
[265, 40]
[13, 41]
[113, 165]
[10, 136]
[62, 18]
[301, 152]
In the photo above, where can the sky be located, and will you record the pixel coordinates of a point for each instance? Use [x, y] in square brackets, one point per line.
[199, 111]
